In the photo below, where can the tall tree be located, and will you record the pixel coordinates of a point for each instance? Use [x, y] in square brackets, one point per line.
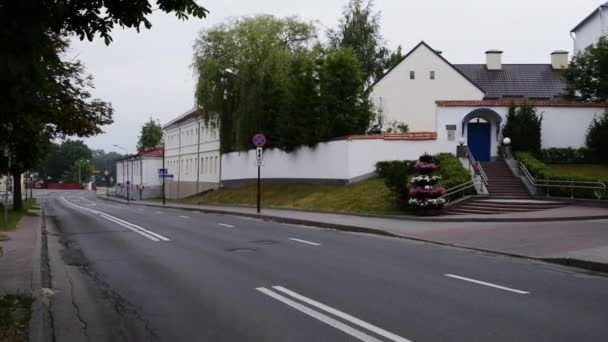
[43, 96]
[359, 29]
[61, 157]
[524, 126]
[587, 74]
[150, 136]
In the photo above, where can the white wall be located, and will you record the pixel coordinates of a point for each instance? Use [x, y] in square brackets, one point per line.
[413, 101]
[336, 160]
[592, 30]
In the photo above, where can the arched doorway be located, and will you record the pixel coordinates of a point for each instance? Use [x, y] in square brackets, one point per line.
[479, 124]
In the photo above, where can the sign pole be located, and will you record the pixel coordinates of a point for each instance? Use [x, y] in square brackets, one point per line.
[259, 140]
[164, 179]
[259, 190]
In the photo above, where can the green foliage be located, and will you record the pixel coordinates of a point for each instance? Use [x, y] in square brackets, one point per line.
[524, 128]
[15, 313]
[150, 136]
[103, 161]
[396, 175]
[60, 158]
[15, 216]
[79, 172]
[451, 171]
[397, 127]
[271, 75]
[587, 75]
[539, 170]
[597, 138]
[565, 155]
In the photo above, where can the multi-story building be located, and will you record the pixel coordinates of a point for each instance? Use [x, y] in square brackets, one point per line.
[589, 31]
[137, 175]
[192, 155]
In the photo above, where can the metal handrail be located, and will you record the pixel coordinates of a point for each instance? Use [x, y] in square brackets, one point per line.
[599, 188]
[477, 167]
[458, 188]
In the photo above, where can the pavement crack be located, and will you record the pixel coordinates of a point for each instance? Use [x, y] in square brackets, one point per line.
[77, 308]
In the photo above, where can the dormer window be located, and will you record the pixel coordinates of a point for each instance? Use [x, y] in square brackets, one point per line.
[432, 75]
[412, 75]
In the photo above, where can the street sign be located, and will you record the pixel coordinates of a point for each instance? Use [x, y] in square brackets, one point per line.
[106, 172]
[259, 155]
[167, 176]
[259, 140]
[162, 172]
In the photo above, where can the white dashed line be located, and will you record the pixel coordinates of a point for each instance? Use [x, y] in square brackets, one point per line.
[487, 284]
[306, 242]
[158, 212]
[186, 217]
[225, 225]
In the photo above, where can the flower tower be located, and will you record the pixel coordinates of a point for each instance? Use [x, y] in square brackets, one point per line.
[424, 196]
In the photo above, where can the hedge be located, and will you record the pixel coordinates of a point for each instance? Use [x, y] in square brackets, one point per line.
[565, 156]
[451, 171]
[540, 170]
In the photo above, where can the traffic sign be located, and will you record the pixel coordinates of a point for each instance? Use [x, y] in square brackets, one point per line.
[259, 140]
[162, 172]
[106, 172]
[167, 176]
[259, 155]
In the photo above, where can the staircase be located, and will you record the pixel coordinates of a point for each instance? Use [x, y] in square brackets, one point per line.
[507, 195]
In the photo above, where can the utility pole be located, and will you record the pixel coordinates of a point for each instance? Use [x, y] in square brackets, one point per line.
[6, 154]
[164, 175]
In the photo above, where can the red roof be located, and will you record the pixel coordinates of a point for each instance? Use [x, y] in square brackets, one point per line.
[157, 152]
[507, 103]
[393, 136]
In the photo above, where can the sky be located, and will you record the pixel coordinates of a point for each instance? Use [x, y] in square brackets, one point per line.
[148, 74]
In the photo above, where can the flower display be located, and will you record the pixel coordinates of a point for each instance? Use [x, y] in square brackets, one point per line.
[424, 197]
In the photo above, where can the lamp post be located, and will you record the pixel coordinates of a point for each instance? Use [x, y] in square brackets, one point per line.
[128, 183]
[8, 155]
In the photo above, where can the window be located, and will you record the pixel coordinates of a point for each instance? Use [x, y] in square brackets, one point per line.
[432, 75]
[200, 170]
[216, 165]
[412, 75]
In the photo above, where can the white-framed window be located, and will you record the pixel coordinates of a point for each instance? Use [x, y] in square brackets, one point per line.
[217, 166]
[412, 75]
[432, 75]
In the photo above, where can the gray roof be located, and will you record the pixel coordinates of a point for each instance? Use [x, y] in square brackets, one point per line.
[516, 81]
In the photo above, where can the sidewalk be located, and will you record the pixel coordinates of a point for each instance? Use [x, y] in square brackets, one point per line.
[571, 235]
[21, 253]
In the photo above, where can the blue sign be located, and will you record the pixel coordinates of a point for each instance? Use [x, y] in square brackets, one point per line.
[259, 140]
[162, 172]
[167, 176]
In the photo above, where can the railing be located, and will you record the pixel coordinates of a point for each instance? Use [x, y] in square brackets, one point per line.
[477, 168]
[599, 188]
[457, 189]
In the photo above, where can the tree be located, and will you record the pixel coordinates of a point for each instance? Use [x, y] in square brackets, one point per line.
[79, 172]
[45, 96]
[61, 157]
[587, 74]
[346, 105]
[524, 128]
[150, 136]
[103, 161]
[597, 138]
[359, 30]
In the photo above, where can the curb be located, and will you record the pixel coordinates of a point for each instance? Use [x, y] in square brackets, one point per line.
[576, 263]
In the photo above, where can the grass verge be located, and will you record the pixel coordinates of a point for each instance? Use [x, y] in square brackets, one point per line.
[14, 216]
[15, 312]
[581, 170]
[366, 197]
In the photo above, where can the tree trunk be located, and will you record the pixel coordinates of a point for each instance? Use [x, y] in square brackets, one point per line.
[17, 200]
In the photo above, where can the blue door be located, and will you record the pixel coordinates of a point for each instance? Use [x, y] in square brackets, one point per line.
[479, 136]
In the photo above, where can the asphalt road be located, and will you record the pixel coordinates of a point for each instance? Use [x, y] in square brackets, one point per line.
[190, 276]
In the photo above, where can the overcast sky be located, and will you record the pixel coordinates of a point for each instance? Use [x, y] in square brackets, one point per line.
[148, 74]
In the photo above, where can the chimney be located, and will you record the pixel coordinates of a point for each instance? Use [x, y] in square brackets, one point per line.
[494, 59]
[559, 59]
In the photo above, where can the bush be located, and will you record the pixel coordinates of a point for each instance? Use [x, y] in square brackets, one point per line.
[451, 171]
[565, 156]
[541, 171]
[396, 176]
[524, 128]
[597, 138]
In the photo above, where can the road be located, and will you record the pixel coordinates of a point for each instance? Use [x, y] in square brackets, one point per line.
[190, 276]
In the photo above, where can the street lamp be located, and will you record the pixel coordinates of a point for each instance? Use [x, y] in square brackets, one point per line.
[127, 182]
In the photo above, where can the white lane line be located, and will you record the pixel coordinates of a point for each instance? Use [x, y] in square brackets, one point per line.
[321, 317]
[186, 217]
[304, 241]
[131, 226]
[225, 225]
[343, 315]
[486, 284]
[158, 212]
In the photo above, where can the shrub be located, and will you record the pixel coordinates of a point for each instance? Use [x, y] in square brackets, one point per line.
[597, 138]
[451, 171]
[524, 128]
[396, 176]
[565, 155]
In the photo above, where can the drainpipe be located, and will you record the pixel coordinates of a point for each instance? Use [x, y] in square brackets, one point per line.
[198, 155]
[219, 152]
[179, 162]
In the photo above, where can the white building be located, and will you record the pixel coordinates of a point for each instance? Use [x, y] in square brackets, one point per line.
[589, 31]
[137, 175]
[192, 152]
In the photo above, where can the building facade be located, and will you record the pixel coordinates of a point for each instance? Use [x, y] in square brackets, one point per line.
[192, 156]
[589, 31]
[137, 175]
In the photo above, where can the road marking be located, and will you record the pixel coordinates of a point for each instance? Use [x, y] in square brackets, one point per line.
[158, 212]
[131, 226]
[186, 217]
[343, 315]
[486, 284]
[304, 241]
[321, 317]
[225, 225]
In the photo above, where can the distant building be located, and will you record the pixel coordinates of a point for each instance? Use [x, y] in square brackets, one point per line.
[137, 175]
[589, 31]
[192, 155]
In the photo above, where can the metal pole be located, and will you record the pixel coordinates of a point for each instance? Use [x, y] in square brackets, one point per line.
[25, 186]
[6, 190]
[128, 182]
[259, 192]
[163, 174]
[79, 176]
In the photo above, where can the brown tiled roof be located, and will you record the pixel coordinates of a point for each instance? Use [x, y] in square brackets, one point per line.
[517, 81]
[157, 152]
[506, 103]
[394, 136]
